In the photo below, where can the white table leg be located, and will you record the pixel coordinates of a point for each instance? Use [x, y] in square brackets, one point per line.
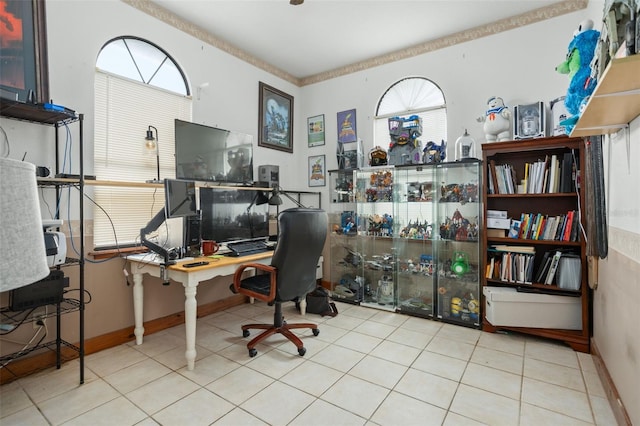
[138, 297]
[303, 306]
[190, 316]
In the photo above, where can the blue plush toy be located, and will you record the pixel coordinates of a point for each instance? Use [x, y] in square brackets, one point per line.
[578, 66]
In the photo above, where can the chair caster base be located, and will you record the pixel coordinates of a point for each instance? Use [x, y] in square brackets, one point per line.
[253, 352]
[245, 333]
[315, 331]
[302, 351]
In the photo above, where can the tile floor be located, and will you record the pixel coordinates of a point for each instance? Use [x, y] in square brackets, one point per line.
[366, 367]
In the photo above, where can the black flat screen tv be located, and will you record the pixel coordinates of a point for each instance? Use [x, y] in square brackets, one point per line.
[230, 215]
[211, 154]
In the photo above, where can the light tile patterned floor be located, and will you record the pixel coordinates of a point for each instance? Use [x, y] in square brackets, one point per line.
[366, 367]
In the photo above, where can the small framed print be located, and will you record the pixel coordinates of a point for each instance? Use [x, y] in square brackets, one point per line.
[315, 130]
[317, 170]
[347, 126]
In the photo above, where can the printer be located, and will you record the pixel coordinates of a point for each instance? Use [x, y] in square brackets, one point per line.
[55, 242]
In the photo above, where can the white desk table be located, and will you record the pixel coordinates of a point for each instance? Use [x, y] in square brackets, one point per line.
[190, 278]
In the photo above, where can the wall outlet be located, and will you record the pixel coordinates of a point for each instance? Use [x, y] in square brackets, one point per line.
[39, 315]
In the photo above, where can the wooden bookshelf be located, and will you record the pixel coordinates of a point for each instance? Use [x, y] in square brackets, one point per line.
[517, 154]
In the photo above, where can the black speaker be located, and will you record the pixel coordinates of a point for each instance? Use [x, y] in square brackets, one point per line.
[192, 236]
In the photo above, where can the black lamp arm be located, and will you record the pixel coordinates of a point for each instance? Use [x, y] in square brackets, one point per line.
[293, 200]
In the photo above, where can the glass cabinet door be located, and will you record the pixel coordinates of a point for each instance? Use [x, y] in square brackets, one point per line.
[414, 192]
[458, 214]
[374, 249]
[342, 221]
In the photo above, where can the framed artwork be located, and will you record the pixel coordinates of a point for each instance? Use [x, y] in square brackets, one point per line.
[275, 119]
[347, 126]
[317, 170]
[315, 130]
[25, 71]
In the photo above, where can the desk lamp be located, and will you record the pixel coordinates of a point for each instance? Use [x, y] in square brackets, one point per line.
[152, 145]
[24, 259]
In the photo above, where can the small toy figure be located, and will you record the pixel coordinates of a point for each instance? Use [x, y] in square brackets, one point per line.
[434, 153]
[497, 120]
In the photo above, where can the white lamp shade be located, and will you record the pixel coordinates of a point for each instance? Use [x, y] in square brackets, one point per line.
[23, 260]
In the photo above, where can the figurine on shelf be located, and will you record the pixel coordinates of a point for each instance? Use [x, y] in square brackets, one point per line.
[497, 120]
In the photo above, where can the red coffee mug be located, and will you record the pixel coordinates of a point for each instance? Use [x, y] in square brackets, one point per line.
[209, 247]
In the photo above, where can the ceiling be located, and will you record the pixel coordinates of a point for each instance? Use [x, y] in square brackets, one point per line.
[321, 38]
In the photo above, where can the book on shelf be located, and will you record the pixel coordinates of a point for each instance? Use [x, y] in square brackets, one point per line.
[512, 248]
[514, 229]
[566, 173]
[566, 233]
[575, 226]
[553, 267]
[541, 273]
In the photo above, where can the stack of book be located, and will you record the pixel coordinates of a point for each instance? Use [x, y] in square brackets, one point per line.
[547, 271]
[536, 226]
[554, 173]
[512, 264]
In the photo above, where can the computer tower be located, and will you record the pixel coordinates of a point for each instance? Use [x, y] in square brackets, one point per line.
[192, 236]
[269, 176]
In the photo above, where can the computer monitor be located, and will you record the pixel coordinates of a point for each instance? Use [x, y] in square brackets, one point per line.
[180, 198]
[230, 215]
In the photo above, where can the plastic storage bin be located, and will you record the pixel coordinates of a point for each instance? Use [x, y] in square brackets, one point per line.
[505, 306]
[569, 272]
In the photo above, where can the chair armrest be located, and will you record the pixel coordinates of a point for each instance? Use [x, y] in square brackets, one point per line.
[237, 278]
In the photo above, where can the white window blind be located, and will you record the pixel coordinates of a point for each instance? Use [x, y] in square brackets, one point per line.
[123, 111]
[412, 96]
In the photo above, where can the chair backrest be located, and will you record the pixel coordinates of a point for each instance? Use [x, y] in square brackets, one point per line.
[301, 237]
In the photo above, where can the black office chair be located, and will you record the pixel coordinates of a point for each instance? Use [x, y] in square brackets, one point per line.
[291, 275]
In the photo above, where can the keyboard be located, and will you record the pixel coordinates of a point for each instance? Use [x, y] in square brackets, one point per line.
[244, 248]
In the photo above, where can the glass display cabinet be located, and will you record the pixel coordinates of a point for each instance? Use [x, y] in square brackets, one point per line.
[456, 244]
[342, 221]
[415, 196]
[375, 255]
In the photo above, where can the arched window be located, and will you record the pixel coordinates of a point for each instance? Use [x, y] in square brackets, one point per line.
[412, 96]
[142, 61]
[138, 87]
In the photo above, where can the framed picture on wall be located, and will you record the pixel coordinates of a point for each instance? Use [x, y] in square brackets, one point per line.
[317, 170]
[347, 126]
[275, 119]
[315, 130]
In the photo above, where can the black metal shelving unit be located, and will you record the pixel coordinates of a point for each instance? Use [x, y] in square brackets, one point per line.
[36, 113]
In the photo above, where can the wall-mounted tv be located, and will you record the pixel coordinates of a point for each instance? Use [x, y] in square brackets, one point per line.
[210, 154]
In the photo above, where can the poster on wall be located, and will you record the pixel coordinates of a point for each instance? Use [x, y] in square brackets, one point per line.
[315, 130]
[317, 170]
[347, 126]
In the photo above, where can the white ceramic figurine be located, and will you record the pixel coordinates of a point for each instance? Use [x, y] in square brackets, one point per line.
[497, 121]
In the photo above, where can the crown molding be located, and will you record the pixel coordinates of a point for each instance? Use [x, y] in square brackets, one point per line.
[507, 24]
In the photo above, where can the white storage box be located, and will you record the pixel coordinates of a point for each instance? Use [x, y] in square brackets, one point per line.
[505, 306]
[499, 223]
